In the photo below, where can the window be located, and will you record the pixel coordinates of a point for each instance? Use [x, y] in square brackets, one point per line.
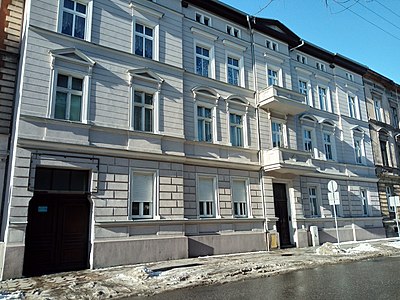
[202, 61]
[320, 66]
[239, 197]
[358, 150]
[364, 201]
[236, 129]
[301, 59]
[352, 106]
[384, 152]
[143, 194]
[74, 17]
[307, 138]
[143, 111]
[377, 108]
[271, 45]
[389, 192]
[204, 124]
[277, 134]
[303, 89]
[206, 190]
[273, 77]
[350, 76]
[395, 117]
[323, 99]
[203, 19]
[232, 31]
[328, 146]
[68, 99]
[144, 40]
[233, 70]
[312, 194]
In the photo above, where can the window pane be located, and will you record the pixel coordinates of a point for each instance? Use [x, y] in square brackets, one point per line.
[138, 97]
[69, 4]
[198, 50]
[79, 180]
[149, 48]
[200, 111]
[75, 109]
[43, 179]
[239, 137]
[139, 28]
[148, 126]
[199, 66]
[149, 31]
[206, 52]
[139, 45]
[200, 135]
[205, 67]
[62, 81]
[142, 187]
[79, 27]
[207, 113]
[137, 117]
[148, 99]
[60, 107]
[80, 8]
[61, 180]
[208, 131]
[77, 84]
[67, 23]
[146, 209]
[135, 208]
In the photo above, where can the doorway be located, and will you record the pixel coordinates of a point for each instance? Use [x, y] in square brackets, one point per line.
[281, 212]
[57, 234]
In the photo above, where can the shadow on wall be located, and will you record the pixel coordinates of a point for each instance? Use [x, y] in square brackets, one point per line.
[197, 248]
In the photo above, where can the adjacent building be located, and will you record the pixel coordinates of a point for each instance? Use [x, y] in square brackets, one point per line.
[156, 130]
[383, 111]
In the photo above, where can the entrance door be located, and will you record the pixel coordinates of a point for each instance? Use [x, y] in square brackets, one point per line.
[281, 212]
[57, 234]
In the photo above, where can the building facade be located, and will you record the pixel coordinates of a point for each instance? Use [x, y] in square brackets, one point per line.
[156, 130]
[382, 103]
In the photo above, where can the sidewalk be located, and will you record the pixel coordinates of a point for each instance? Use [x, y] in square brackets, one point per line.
[157, 277]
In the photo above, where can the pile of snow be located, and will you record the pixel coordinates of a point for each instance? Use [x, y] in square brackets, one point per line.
[11, 296]
[364, 247]
[329, 249]
[395, 244]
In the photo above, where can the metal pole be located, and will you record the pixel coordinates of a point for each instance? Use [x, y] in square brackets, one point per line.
[397, 221]
[337, 231]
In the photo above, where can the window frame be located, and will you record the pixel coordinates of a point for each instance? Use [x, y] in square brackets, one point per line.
[240, 68]
[203, 17]
[233, 30]
[378, 109]
[389, 192]
[272, 45]
[155, 201]
[156, 34]
[307, 90]
[327, 103]
[283, 133]
[211, 63]
[394, 113]
[211, 120]
[88, 19]
[365, 205]
[247, 201]
[320, 66]
[215, 201]
[301, 59]
[331, 144]
[317, 213]
[143, 107]
[354, 108]
[314, 150]
[278, 73]
[359, 159]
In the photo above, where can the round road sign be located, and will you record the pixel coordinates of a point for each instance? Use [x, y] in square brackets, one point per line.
[332, 186]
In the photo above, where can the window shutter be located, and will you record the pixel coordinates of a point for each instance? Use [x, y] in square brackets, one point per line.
[142, 188]
[239, 191]
[206, 189]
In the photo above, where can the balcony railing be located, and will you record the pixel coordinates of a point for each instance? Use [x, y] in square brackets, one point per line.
[282, 100]
[286, 160]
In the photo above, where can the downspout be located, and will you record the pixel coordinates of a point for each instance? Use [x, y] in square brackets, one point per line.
[298, 46]
[259, 152]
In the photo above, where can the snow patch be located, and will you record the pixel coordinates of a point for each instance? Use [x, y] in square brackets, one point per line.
[11, 296]
[329, 249]
[364, 247]
[395, 244]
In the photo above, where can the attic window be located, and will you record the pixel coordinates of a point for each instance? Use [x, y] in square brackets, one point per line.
[271, 45]
[320, 66]
[350, 76]
[203, 19]
[302, 59]
[232, 31]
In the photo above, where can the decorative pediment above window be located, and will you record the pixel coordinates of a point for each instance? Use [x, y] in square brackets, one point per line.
[383, 134]
[327, 125]
[358, 131]
[203, 34]
[205, 93]
[237, 100]
[233, 45]
[308, 119]
[71, 55]
[144, 75]
[145, 10]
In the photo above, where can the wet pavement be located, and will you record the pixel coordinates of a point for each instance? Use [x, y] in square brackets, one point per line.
[158, 277]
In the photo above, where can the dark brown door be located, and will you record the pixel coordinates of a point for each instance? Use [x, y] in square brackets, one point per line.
[281, 212]
[57, 234]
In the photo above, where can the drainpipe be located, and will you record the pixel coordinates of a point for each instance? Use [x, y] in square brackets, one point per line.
[298, 46]
[255, 88]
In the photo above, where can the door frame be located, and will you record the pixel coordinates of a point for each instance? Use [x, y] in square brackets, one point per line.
[288, 185]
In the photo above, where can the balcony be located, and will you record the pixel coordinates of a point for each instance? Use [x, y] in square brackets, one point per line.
[283, 160]
[283, 101]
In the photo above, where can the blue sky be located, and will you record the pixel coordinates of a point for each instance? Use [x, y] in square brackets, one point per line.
[340, 30]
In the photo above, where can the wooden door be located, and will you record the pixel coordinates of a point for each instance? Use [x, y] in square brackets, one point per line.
[281, 212]
[57, 234]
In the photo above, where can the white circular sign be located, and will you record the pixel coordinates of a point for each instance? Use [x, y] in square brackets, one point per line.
[332, 186]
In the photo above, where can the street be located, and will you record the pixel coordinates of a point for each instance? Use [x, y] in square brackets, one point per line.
[372, 279]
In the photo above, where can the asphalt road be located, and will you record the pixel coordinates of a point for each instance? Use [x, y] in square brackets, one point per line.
[373, 279]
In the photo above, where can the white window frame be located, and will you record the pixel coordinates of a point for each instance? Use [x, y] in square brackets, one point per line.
[301, 59]
[307, 91]
[389, 192]
[327, 103]
[241, 126]
[211, 64]
[320, 66]
[156, 34]
[88, 22]
[247, 201]
[234, 68]
[240, 108]
[331, 143]
[143, 107]
[394, 117]
[365, 205]
[155, 201]
[283, 134]
[216, 208]
[317, 201]
[378, 109]
[272, 45]
[202, 19]
[233, 31]
[350, 76]
[352, 106]
[314, 150]
[278, 72]
[239, 58]
[359, 159]
[210, 120]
